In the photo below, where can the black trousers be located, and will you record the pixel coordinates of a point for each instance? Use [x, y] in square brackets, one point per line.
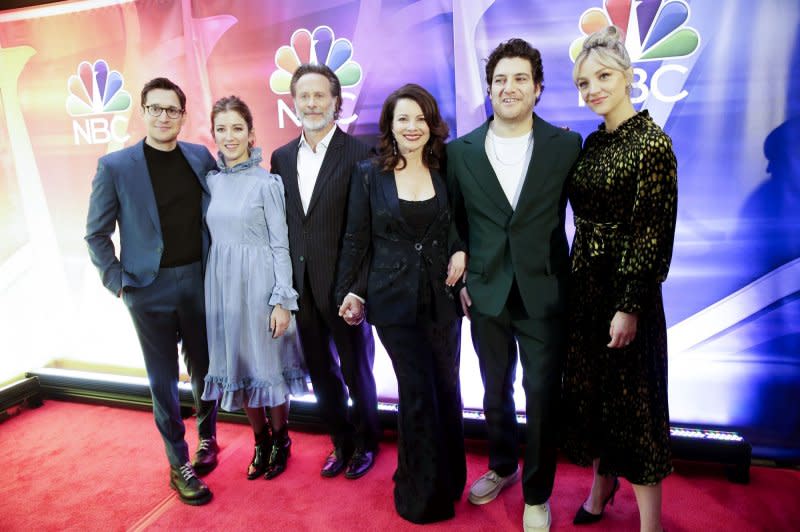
[339, 358]
[541, 350]
[170, 310]
[431, 464]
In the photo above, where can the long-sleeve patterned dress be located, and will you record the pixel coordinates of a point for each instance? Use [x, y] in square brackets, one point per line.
[623, 192]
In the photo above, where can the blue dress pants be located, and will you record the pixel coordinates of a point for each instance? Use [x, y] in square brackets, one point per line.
[168, 312]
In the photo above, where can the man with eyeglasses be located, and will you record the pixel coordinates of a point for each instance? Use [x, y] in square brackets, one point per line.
[156, 192]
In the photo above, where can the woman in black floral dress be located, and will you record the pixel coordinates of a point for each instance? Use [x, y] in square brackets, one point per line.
[623, 192]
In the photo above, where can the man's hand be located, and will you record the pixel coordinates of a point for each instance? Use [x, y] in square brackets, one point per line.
[466, 301]
[352, 310]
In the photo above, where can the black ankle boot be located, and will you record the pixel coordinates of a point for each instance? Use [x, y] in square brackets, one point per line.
[260, 461]
[279, 455]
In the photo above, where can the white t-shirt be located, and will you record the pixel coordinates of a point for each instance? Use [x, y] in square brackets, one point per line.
[510, 158]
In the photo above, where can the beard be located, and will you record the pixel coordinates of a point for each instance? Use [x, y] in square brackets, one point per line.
[315, 124]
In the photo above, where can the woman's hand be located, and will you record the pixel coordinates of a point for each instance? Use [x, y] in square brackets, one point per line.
[456, 267]
[352, 310]
[279, 321]
[622, 330]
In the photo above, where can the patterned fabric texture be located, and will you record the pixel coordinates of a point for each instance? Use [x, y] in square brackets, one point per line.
[623, 192]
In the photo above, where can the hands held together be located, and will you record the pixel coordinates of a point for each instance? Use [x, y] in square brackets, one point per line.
[352, 310]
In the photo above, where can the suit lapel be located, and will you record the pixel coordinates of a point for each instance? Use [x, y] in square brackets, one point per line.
[330, 164]
[290, 180]
[541, 162]
[388, 189]
[480, 169]
[141, 185]
[196, 165]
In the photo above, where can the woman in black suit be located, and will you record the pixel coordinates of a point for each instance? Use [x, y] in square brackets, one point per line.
[400, 228]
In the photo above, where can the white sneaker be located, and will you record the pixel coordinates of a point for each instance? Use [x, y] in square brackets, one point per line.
[488, 487]
[536, 518]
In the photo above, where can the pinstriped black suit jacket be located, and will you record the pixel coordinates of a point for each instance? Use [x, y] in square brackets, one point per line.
[315, 237]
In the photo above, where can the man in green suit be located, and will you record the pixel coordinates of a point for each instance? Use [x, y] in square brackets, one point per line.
[507, 182]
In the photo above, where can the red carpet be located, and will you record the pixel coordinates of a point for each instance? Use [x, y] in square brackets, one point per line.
[68, 466]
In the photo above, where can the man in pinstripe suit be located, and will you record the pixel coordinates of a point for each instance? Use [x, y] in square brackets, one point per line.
[316, 173]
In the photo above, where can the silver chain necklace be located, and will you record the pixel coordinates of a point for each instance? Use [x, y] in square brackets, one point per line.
[497, 153]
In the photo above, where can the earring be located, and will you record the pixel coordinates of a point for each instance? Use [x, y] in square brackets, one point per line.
[394, 146]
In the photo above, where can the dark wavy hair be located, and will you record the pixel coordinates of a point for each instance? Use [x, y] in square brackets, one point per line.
[322, 70]
[165, 84]
[433, 152]
[516, 48]
[232, 103]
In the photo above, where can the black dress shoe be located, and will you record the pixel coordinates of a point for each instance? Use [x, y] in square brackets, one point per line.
[205, 459]
[334, 463]
[361, 462]
[586, 518]
[191, 490]
[260, 462]
[279, 455]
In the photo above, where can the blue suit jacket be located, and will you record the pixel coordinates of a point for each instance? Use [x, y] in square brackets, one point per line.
[122, 193]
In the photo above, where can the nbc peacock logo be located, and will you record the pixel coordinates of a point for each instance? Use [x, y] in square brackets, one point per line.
[94, 92]
[317, 47]
[654, 30]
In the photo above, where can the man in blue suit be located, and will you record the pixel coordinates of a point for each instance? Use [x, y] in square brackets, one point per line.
[156, 192]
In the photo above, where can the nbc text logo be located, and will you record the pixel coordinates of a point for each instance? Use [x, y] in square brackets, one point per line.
[654, 30]
[317, 47]
[96, 98]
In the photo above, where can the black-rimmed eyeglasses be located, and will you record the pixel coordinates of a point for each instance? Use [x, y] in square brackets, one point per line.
[156, 110]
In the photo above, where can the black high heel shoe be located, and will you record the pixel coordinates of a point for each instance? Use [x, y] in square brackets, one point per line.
[260, 462]
[586, 518]
[279, 455]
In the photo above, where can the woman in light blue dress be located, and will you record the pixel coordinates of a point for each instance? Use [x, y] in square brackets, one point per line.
[255, 359]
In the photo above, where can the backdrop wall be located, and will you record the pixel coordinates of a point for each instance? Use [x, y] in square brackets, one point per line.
[717, 77]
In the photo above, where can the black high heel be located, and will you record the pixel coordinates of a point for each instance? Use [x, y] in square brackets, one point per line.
[260, 462]
[586, 518]
[279, 455]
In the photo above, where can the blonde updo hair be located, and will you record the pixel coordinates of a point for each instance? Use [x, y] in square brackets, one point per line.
[608, 47]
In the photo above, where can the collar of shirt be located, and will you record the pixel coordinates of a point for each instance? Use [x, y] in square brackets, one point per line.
[322, 145]
[309, 164]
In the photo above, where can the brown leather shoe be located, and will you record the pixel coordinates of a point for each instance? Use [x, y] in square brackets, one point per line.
[361, 462]
[191, 490]
[334, 463]
[205, 459]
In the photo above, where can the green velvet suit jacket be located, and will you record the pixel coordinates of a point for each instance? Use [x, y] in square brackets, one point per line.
[527, 243]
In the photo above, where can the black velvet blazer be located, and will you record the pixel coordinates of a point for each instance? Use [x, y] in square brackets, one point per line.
[378, 238]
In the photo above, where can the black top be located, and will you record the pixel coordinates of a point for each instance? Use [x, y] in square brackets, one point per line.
[179, 200]
[419, 214]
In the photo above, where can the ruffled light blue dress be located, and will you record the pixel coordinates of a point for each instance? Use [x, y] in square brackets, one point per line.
[247, 273]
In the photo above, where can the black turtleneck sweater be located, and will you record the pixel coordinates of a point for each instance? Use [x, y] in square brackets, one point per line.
[179, 200]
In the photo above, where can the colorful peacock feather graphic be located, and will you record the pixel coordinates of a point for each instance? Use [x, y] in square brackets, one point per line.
[317, 47]
[654, 29]
[95, 90]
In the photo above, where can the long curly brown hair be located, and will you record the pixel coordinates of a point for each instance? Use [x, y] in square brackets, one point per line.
[433, 153]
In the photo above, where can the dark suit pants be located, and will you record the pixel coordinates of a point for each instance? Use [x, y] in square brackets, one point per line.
[540, 352]
[170, 310]
[431, 464]
[336, 355]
